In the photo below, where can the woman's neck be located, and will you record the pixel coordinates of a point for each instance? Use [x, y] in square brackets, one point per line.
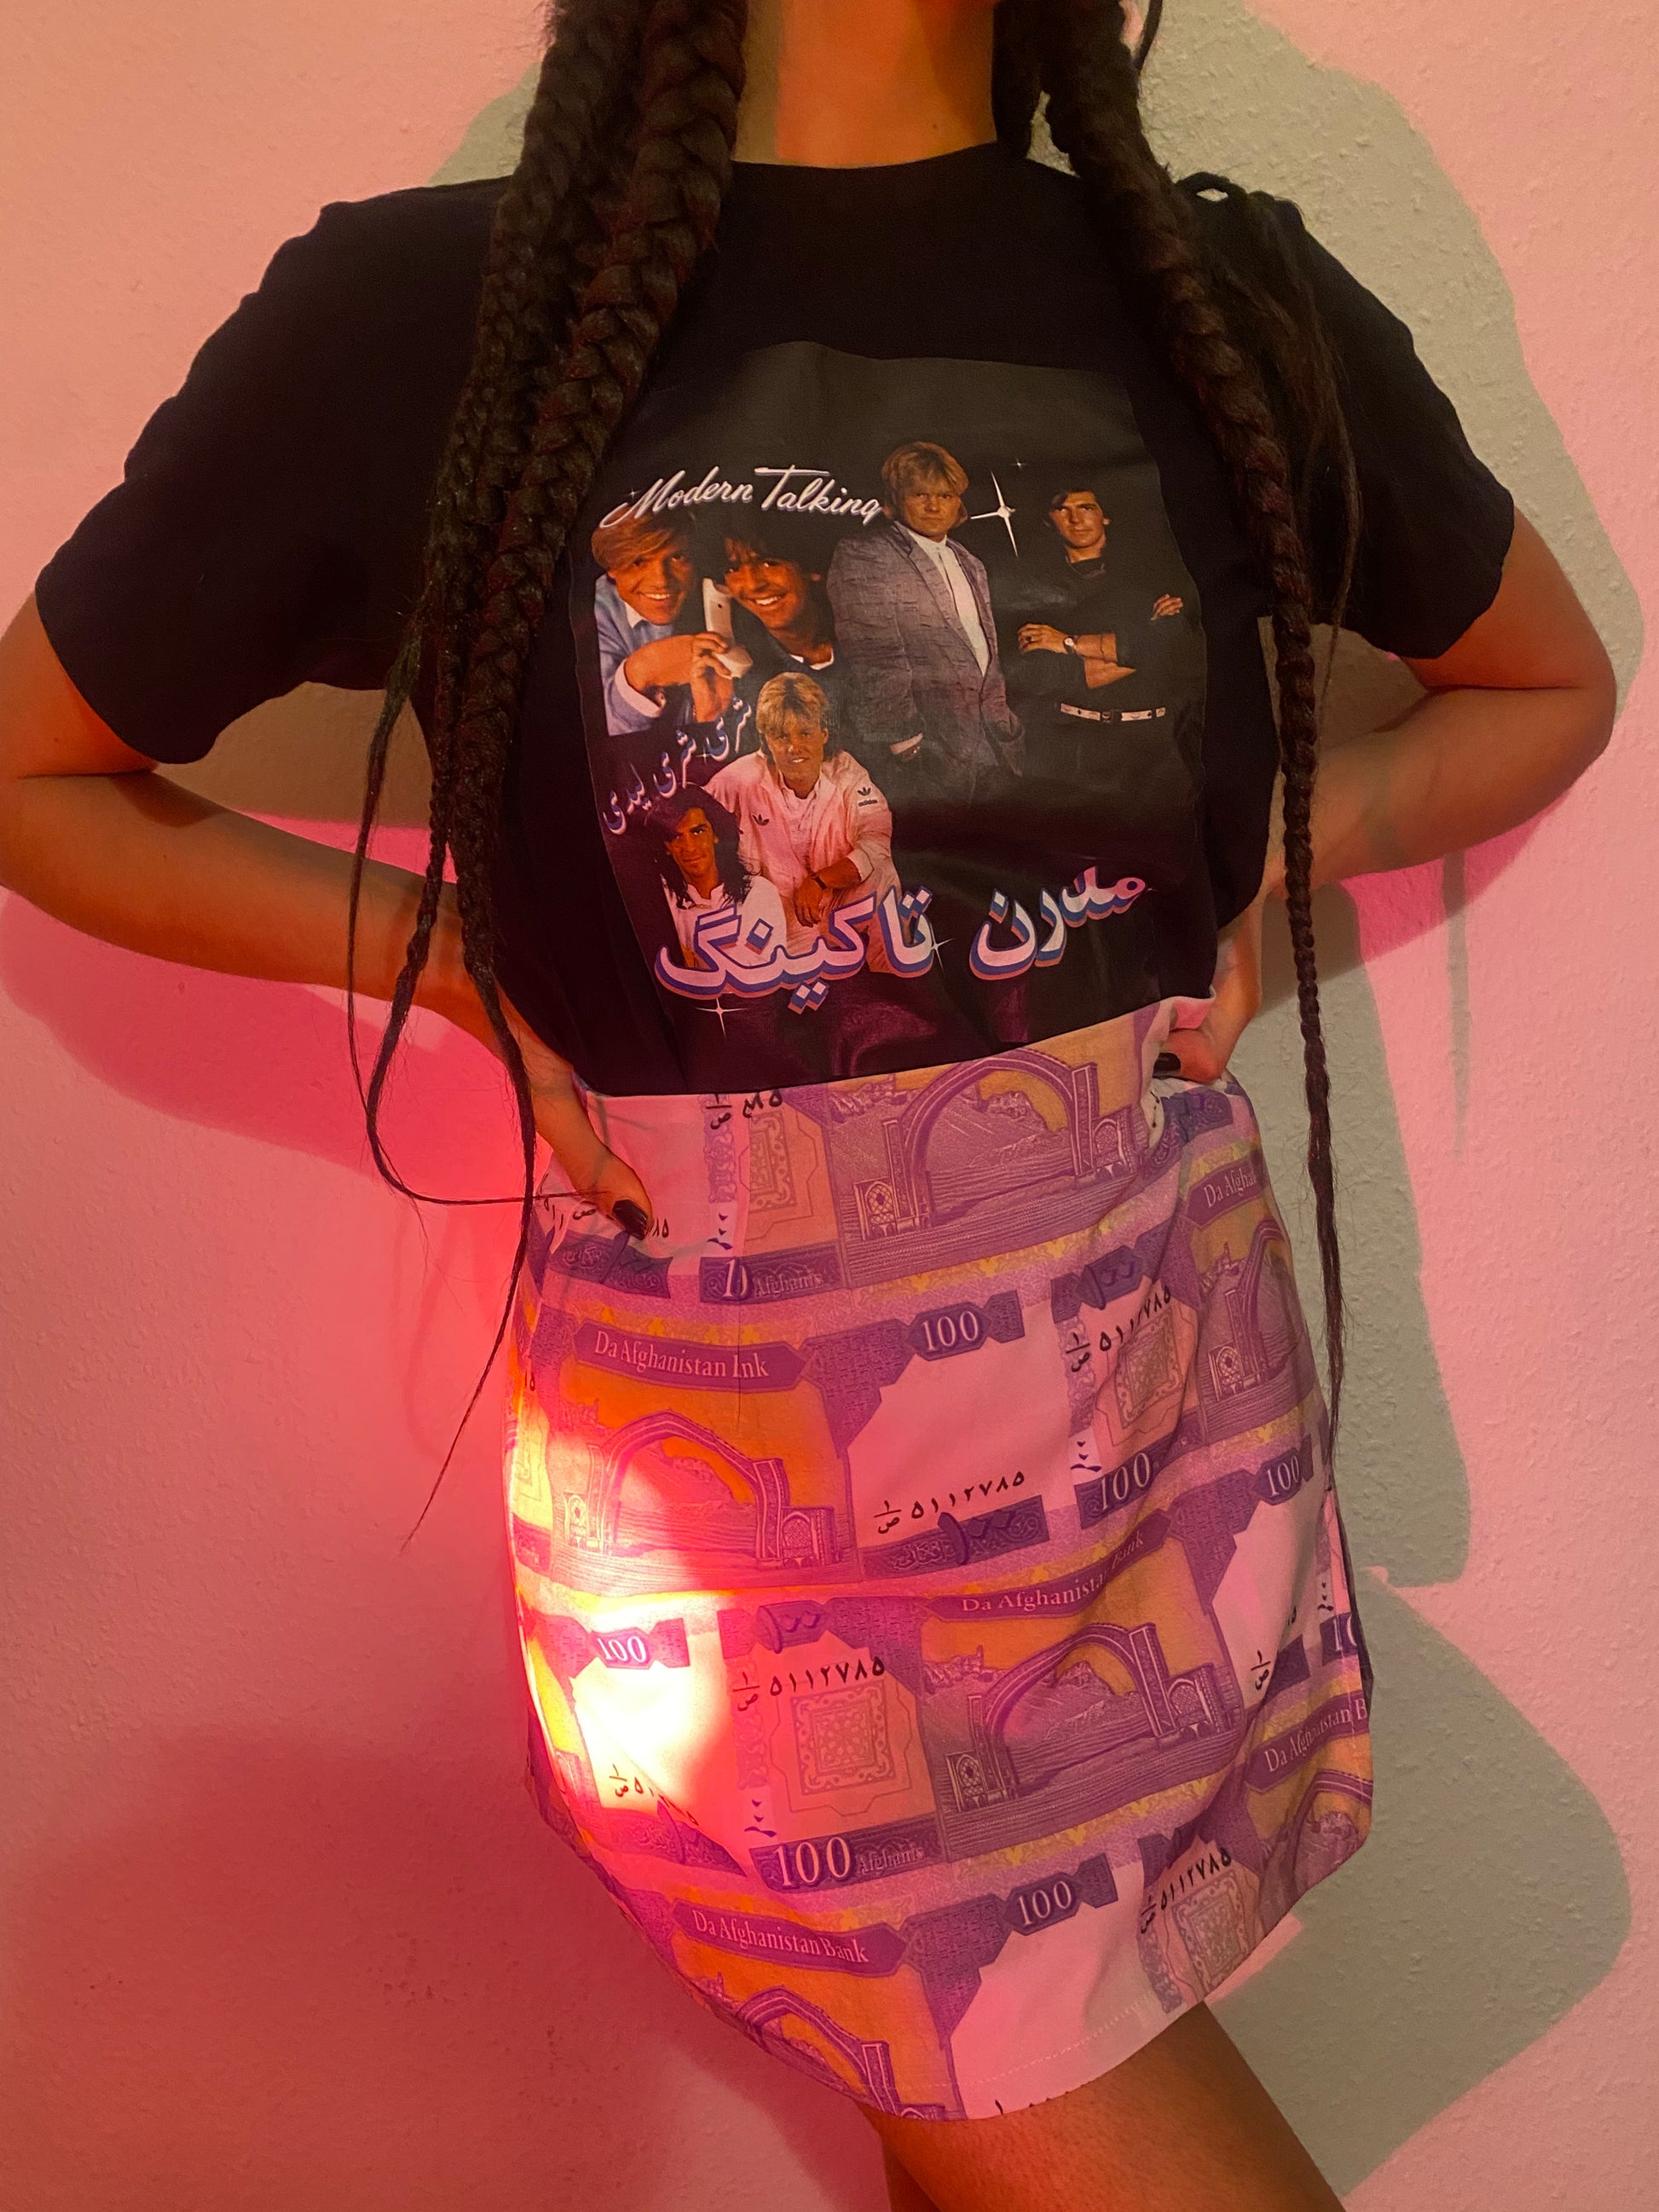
[856, 83]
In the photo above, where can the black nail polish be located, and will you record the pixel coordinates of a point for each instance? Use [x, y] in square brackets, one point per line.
[1167, 1063]
[632, 1218]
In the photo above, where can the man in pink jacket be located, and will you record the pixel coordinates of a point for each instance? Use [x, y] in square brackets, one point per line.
[809, 818]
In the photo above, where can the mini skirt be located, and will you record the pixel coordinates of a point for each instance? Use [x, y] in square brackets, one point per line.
[934, 1603]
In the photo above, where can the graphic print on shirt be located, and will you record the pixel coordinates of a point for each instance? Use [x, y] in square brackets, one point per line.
[893, 688]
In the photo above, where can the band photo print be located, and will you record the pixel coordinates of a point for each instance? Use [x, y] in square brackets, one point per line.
[893, 685]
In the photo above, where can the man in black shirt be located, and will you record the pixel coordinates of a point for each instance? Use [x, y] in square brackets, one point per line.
[1110, 675]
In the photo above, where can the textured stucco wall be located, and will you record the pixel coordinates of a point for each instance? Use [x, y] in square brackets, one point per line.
[279, 1926]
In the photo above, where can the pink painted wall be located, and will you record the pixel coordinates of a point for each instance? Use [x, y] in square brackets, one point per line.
[279, 1925]
[1537, 1238]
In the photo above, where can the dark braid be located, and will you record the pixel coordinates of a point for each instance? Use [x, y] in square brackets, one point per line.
[627, 158]
[547, 222]
[693, 63]
[1016, 75]
[1151, 227]
[615, 198]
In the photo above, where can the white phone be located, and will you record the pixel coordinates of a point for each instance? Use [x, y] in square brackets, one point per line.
[717, 619]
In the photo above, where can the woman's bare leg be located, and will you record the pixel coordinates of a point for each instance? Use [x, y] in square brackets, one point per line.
[1183, 2126]
[903, 2194]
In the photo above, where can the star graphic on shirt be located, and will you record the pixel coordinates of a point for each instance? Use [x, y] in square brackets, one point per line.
[1002, 513]
[719, 1009]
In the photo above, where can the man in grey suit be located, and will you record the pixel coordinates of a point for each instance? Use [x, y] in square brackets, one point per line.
[916, 635]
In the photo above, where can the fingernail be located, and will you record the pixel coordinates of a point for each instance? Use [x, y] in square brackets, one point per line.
[632, 1218]
[1167, 1063]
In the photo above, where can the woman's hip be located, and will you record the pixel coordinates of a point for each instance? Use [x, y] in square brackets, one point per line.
[901, 1326]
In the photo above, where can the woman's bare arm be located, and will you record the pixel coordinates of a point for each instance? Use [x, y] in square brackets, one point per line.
[91, 832]
[1512, 716]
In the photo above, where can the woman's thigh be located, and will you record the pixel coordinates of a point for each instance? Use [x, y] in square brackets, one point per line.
[1183, 2126]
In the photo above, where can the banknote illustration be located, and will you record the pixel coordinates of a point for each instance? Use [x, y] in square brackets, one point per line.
[931, 2010]
[661, 1440]
[645, 1458]
[828, 1998]
[773, 1197]
[931, 1582]
[830, 1742]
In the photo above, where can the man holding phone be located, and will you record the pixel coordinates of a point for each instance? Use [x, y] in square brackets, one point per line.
[637, 602]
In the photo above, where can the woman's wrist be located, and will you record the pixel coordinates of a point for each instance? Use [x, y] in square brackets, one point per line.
[445, 986]
[1350, 799]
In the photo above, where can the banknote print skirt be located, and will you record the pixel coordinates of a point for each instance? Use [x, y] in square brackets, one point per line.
[933, 1597]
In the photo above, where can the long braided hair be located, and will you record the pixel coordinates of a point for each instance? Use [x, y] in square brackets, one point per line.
[615, 198]
[1237, 345]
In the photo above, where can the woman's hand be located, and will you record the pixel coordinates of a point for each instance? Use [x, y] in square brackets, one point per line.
[1204, 1052]
[596, 1176]
[1041, 637]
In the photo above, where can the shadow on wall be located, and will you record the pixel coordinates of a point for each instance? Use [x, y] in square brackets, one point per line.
[1491, 1897]
[1227, 92]
[1419, 1969]
[433, 1991]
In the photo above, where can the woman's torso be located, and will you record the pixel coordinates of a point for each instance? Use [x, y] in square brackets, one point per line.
[1069, 836]
[963, 304]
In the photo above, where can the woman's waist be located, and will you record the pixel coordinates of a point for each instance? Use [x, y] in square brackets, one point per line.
[776, 1195]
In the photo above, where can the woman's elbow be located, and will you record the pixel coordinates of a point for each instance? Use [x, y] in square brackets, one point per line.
[1598, 709]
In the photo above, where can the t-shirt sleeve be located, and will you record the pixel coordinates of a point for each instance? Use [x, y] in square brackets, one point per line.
[266, 531]
[1436, 525]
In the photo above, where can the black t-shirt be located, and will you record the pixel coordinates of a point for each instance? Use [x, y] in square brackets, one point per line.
[901, 697]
